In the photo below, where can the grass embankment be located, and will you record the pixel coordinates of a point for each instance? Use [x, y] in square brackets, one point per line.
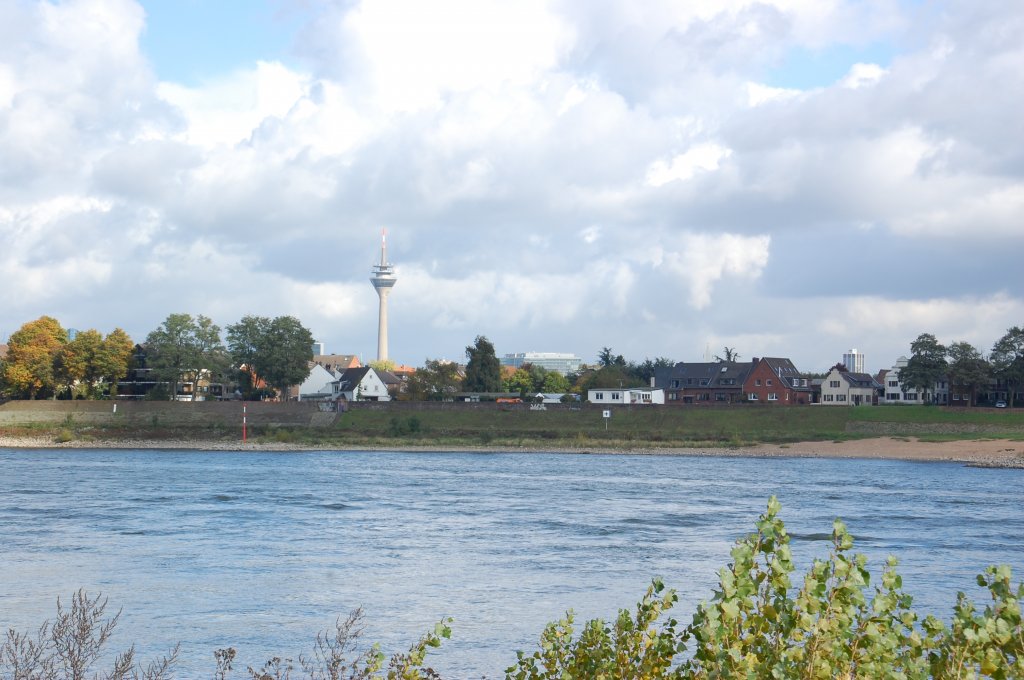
[559, 427]
[647, 428]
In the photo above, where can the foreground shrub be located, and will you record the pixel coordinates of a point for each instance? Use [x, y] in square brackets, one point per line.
[757, 625]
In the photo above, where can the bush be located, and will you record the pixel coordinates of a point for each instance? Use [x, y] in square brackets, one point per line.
[757, 626]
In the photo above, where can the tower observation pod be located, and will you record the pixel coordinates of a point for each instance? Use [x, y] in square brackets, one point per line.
[383, 281]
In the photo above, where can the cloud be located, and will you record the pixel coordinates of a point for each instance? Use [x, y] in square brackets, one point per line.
[703, 260]
[563, 176]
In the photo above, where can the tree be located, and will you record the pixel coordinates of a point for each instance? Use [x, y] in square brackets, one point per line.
[483, 370]
[436, 381]
[729, 355]
[382, 365]
[555, 383]
[521, 381]
[606, 358]
[609, 376]
[1008, 359]
[91, 360]
[967, 367]
[32, 353]
[648, 369]
[184, 348]
[274, 351]
[926, 365]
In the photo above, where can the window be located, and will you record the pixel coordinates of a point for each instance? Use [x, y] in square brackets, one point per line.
[705, 381]
[675, 384]
[772, 396]
[757, 382]
[894, 383]
[721, 396]
[892, 396]
[616, 395]
[768, 382]
[689, 381]
[956, 397]
[911, 396]
[833, 383]
[599, 396]
[827, 397]
[752, 396]
[840, 397]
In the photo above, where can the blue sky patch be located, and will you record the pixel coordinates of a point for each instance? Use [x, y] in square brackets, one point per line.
[805, 69]
[189, 41]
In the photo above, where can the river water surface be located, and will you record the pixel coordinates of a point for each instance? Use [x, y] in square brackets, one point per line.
[260, 550]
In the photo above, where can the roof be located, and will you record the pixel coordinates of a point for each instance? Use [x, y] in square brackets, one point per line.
[336, 362]
[388, 378]
[860, 380]
[713, 371]
[354, 376]
[3, 351]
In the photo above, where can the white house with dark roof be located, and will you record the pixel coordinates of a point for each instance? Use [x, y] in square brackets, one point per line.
[843, 388]
[360, 384]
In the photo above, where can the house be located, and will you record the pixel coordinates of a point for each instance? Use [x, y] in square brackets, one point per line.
[773, 380]
[360, 384]
[393, 382]
[895, 392]
[337, 363]
[843, 388]
[719, 382]
[318, 385]
[626, 396]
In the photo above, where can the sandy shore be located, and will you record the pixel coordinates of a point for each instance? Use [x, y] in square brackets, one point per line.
[987, 452]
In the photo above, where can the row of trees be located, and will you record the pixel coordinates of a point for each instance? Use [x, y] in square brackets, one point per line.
[483, 373]
[43, 361]
[962, 364]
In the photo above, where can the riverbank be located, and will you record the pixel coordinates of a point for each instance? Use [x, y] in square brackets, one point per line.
[982, 452]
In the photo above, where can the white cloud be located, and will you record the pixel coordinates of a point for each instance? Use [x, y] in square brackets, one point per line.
[700, 158]
[228, 109]
[862, 75]
[561, 173]
[703, 260]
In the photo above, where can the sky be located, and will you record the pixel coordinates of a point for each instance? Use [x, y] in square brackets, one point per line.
[788, 178]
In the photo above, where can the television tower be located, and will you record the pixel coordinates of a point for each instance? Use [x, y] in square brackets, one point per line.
[383, 280]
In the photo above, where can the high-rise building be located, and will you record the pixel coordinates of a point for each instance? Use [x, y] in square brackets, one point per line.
[551, 361]
[383, 281]
[854, 361]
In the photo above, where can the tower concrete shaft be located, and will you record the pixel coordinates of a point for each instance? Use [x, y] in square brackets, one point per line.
[383, 281]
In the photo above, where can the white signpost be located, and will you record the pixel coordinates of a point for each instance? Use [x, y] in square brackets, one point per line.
[607, 414]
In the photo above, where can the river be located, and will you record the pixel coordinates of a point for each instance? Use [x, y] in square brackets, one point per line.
[260, 550]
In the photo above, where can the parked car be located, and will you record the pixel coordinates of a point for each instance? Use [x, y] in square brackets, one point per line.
[1000, 404]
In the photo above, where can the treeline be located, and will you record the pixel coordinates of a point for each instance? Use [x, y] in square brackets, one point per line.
[43, 360]
[438, 380]
[758, 624]
[964, 365]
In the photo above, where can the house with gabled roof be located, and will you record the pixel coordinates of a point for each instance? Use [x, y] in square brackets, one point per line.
[719, 382]
[317, 385]
[337, 363]
[775, 380]
[844, 388]
[360, 384]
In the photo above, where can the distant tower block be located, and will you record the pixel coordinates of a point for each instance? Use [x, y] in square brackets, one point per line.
[383, 281]
[854, 361]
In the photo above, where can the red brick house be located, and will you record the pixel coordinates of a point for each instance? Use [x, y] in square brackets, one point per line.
[776, 381]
